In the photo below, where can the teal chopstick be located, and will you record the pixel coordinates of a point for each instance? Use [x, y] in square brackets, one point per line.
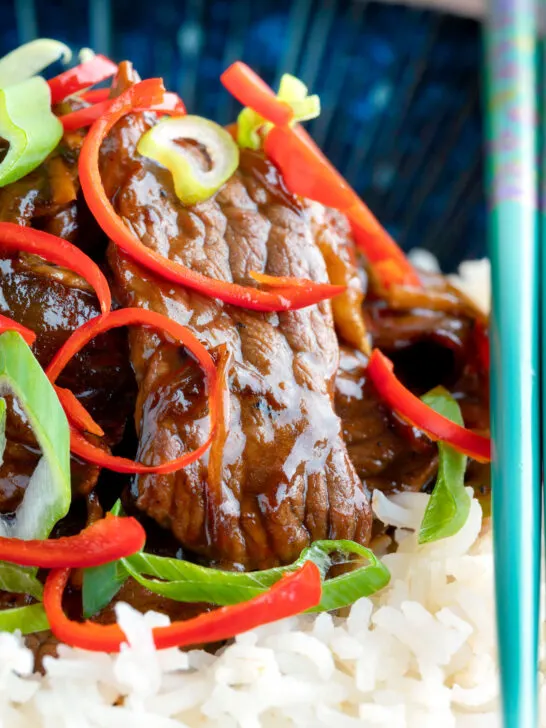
[511, 41]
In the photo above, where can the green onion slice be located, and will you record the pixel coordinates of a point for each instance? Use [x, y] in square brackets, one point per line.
[47, 497]
[186, 582]
[449, 504]
[26, 619]
[292, 90]
[192, 182]
[20, 579]
[31, 58]
[29, 126]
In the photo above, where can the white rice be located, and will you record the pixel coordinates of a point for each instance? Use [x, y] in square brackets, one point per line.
[420, 654]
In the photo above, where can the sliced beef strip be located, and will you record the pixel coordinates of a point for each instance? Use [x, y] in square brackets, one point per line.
[386, 453]
[431, 344]
[333, 235]
[284, 477]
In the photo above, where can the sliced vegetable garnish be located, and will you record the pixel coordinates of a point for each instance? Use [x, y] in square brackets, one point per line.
[100, 586]
[30, 127]
[449, 504]
[411, 409]
[309, 174]
[29, 59]
[47, 496]
[193, 183]
[184, 581]
[304, 172]
[7, 324]
[292, 594]
[95, 95]
[481, 337]
[249, 89]
[251, 127]
[106, 540]
[96, 69]
[76, 412]
[27, 620]
[139, 317]
[82, 118]
[144, 95]
[187, 582]
[19, 580]
[17, 239]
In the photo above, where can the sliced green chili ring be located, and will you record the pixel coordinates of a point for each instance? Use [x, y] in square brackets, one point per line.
[27, 620]
[192, 182]
[31, 58]
[29, 126]
[47, 496]
[292, 90]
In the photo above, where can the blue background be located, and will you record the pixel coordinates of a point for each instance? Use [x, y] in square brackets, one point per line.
[400, 89]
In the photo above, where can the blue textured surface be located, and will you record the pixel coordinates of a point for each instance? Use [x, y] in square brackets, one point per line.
[400, 89]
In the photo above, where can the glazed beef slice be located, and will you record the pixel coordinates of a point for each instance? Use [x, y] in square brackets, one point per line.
[282, 476]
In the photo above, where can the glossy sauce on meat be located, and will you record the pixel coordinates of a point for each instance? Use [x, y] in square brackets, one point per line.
[53, 302]
[283, 477]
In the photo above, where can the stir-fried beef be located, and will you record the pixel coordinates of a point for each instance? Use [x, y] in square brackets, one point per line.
[429, 347]
[387, 453]
[284, 477]
[53, 302]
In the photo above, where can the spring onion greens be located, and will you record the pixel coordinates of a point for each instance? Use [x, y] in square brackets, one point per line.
[100, 586]
[20, 580]
[292, 90]
[187, 582]
[31, 58]
[192, 182]
[29, 126]
[47, 496]
[29, 619]
[449, 504]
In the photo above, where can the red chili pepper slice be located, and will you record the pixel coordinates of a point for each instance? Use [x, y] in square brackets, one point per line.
[82, 118]
[140, 317]
[17, 238]
[414, 411]
[481, 337]
[106, 540]
[7, 324]
[250, 90]
[95, 95]
[86, 74]
[292, 594]
[147, 94]
[304, 172]
[308, 173]
[76, 412]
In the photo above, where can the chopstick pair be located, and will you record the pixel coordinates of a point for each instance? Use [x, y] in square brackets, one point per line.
[518, 349]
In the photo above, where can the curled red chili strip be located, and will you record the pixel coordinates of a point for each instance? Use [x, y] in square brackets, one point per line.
[76, 412]
[293, 593]
[97, 69]
[249, 89]
[309, 174]
[82, 118]
[7, 324]
[106, 540]
[139, 317]
[414, 411]
[16, 238]
[148, 94]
